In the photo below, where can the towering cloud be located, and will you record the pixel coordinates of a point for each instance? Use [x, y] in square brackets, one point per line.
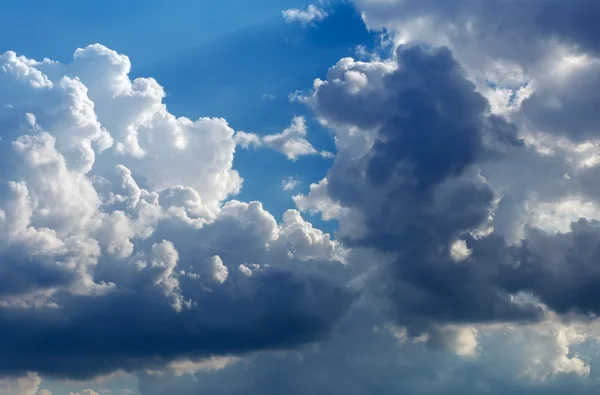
[416, 188]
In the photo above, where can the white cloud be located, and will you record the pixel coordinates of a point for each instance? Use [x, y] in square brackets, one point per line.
[290, 183]
[307, 16]
[459, 251]
[247, 140]
[464, 342]
[245, 270]
[291, 142]
[26, 385]
[212, 364]
[219, 270]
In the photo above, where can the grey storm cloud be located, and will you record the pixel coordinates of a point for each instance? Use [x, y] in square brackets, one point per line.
[560, 269]
[133, 330]
[417, 188]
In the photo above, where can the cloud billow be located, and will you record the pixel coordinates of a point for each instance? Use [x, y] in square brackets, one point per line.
[118, 250]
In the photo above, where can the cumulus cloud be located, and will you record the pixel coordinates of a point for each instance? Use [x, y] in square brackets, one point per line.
[466, 196]
[291, 142]
[245, 270]
[116, 241]
[219, 270]
[28, 384]
[415, 188]
[307, 16]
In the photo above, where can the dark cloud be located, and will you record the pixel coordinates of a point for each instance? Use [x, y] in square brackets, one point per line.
[134, 330]
[573, 22]
[560, 268]
[566, 101]
[21, 274]
[417, 189]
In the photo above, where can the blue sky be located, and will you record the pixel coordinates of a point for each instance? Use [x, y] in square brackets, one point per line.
[440, 236]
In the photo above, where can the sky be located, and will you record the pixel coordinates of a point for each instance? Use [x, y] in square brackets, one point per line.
[338, 197]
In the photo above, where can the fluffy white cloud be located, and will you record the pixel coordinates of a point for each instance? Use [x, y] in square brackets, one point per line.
[289, 183]
[25, 385]
[291, 142]
[219, 270]
[245, 270]
[459, 250]
[307, 16]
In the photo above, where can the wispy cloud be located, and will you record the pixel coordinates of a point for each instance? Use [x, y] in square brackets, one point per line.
[290, 183]
[307, 16]
[291, 142]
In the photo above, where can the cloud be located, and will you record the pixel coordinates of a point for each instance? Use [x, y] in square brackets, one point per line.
[557, 63]
[362, 358]
[116, 241]
[558, 268]
[291, 142]
[307, 16]
[289, 183]
[465, 196]
[245, 270]
[413, 185]
[219, 270]
[28, 384]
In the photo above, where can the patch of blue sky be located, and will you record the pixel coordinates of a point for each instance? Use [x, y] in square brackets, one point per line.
[145, 30]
